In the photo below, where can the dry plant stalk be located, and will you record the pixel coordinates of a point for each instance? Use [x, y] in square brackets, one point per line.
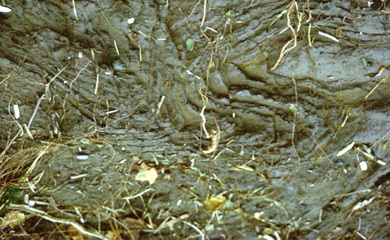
[384, 80]
[215, 137]
[46, 216]
[285, 48]
[215, 134]
[295, 119]
[201, 114]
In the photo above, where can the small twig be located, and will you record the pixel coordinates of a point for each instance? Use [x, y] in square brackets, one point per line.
[78, 74]
[28, 132]
[74, 10]
[71, 84]
[328, 36]
[308, 36]
[35, 110]
[15, 119]
[140, 53]
[47, 86]
[204, 12]
[97, 83]
[196, 228]
[215, 134]
[6, 147]
[193, 10]
[215, 138]
[281, 55]
[201, 114]
[322, 150]
[308, 20]
[10, 74]
[159, 105]
[376, 86]
[294, 32]
[116, 48]
[31, 168]
[139, 194]
[44, 96]
[109, 22]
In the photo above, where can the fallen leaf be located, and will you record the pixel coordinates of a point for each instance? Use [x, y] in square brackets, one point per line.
[74, 233]
[12, 219]
[113, 235]
[214, 203]
[384, 146]
[147, 174]
[132, 223]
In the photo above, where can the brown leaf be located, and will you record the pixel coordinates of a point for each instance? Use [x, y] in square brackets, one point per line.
[132, 223]
[75, 234]
[147, 174]
[214, 203]
[12, 219]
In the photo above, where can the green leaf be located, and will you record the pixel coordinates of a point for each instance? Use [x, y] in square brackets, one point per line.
[364, 62]
[293, 108]
[230, 14]
[190, 44]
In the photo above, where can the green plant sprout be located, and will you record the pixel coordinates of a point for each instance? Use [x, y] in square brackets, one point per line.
[293, 108]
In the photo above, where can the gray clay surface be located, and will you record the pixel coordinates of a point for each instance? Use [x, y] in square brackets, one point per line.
[118, 95]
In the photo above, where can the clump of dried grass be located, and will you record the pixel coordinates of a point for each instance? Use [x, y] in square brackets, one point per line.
[15, 169]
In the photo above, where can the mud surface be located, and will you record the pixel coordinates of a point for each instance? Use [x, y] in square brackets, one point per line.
[285, 87]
